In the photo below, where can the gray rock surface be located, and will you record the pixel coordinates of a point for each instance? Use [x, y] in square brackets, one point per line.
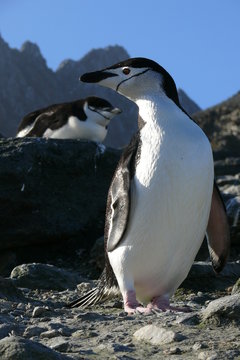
[204, 269]
[6, 329]
[236, 288]
[97, 253]
[17, 348]
[43, 276]
[227, 307]
[9, 291]
[53, 190]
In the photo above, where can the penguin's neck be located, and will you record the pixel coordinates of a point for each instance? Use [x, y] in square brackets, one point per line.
[160, 113]
[167, 134]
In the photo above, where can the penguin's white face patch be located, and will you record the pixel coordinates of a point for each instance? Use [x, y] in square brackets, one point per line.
[100, 116]
[133, 82]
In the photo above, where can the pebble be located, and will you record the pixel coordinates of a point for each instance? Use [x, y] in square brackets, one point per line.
[156, 335]
[49, 334]
[78, 334]
[197, 346]
[84, 287]
[32, 331]
[172, 351]
[104, 347]
[236, 288]
[39, 311]
[58, 343]
[187, 319]
[208, 356]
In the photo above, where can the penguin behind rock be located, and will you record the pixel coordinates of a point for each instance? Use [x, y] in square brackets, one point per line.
[162, 199]
[86, 119]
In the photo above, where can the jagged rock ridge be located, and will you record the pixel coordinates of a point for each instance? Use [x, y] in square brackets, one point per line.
[221, 123]
[27, 84]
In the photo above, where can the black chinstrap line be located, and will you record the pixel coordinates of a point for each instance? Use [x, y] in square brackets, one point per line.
[98, 112]
[143, 72]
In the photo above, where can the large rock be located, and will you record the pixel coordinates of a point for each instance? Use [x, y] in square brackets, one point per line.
[156, 335]
[223, 309]
[17, 348]
[53, 190]
[43, 276]
[9, 292]
[202, 276]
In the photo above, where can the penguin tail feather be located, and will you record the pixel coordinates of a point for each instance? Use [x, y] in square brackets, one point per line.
[92, 297]
[107, 288]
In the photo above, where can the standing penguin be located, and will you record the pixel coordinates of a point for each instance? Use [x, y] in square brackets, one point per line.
[161, 200]
[86, 119]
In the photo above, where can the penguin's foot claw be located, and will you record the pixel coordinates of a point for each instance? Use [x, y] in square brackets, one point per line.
[132, 306]
[136, 310]
[162, 304]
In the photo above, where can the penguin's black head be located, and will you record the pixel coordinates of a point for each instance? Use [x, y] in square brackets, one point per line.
[134, 78]
[99, 110]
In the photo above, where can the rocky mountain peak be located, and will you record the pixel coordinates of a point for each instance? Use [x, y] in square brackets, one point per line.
[28, 84]
[3, 43]
[32, 51]
[188, 104]
[105, 56]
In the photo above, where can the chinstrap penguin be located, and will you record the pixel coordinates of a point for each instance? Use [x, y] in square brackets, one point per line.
[162, 199]
[86, 119]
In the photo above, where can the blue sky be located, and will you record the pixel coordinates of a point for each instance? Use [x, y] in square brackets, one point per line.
[197, 41]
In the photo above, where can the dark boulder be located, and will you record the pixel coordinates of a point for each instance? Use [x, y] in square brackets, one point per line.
[53, 190]
[44, 276]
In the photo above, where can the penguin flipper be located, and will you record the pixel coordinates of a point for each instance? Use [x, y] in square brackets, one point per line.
[28, 120]
[46, 120]
[218, 234]
[119, 196]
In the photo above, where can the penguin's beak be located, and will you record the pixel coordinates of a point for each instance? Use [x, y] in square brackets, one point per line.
[116, 111]
[96, 76]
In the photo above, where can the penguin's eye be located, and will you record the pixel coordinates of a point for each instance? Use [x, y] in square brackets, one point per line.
[126, 71]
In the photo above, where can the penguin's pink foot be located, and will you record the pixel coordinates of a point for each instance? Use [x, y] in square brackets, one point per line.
[162, 303]
[132, 306]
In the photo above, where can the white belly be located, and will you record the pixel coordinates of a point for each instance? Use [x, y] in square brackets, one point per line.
[170, 204]
[77, 129]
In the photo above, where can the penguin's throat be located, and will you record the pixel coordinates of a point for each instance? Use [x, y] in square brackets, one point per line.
[159, 111]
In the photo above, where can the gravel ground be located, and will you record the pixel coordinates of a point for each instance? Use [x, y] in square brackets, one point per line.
[29, 317]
